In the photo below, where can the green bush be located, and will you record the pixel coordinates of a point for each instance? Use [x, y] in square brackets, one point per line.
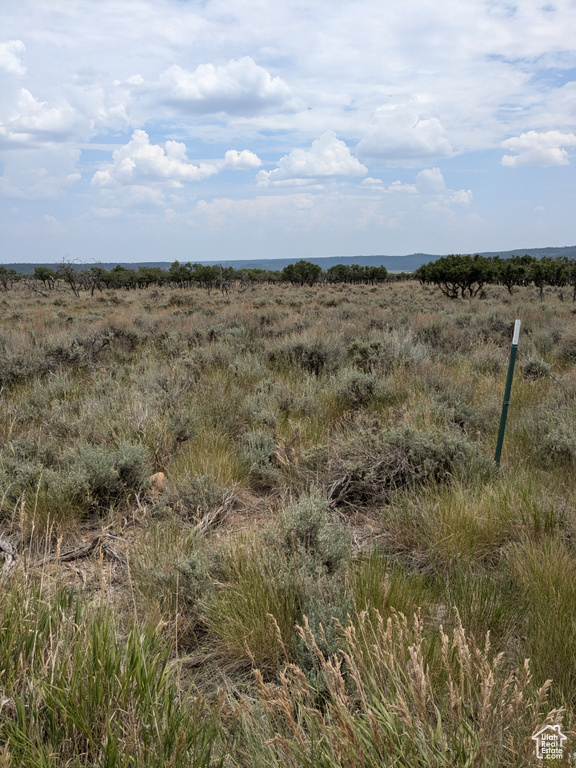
[316, 355]
[365, 355]
[535, 369]
[567, 348]
[193, 496]
[307, 531]
[107, 477]
[366, 464]
[257, 450]
[316, 550]
[558, 442]
[354, 389]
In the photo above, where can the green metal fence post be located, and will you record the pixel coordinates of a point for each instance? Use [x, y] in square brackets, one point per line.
[506, 401]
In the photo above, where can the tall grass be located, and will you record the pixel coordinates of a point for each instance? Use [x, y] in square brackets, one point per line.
[78, 691]
[399, 696]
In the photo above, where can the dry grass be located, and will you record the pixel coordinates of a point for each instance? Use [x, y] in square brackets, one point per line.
[360, 417]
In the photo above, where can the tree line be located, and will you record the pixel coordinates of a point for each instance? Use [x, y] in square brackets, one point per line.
[211, 277]
[457, 275]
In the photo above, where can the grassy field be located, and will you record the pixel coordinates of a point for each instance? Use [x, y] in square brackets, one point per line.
[331, 573]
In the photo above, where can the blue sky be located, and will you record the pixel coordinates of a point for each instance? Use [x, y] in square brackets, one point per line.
[154, 130]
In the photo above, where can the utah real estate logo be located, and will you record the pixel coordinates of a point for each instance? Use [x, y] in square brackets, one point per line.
[549, 743]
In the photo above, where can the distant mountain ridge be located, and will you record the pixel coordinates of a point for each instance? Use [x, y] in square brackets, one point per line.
[392, 263]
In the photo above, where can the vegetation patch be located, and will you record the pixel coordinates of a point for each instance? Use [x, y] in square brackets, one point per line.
[254, 520]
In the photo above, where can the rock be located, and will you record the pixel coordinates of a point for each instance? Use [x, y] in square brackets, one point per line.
[157, 482]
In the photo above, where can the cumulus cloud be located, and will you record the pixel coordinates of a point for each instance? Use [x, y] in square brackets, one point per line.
[399, 133]
[369, 181]
[241, 161]
[542, 149]
[431, 184]
[398, 186]
[430, 181]
[142, 173]
[32, 121]
[11, 57]
[430, 187]
[328, 157]
[140, 162]
[240, 87]
[105, 104]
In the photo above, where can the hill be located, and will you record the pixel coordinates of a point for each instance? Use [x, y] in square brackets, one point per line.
[392, 263]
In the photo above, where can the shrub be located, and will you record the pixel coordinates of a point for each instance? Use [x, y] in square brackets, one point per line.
[305, 530]
[567, 348]
[258, 450]
[107, 477]
[535, 369]
[316, 550]
[312, 355]
[194, 495]
[355, 389]
[366, 464]
[365, 355]
[21, 366]
[558, 442]
[400, 347]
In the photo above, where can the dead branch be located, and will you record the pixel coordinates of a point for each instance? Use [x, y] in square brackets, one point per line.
[218, 515]
[98, 542]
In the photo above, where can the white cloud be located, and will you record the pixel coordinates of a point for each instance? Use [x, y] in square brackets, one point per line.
[328, 157]
[241, 161]
[430, 181]
[142, 173]
[52, 225]
[430, 187]
[540, 149]
[140, 162]
[240, 87]
[398, 133]
[39, 173]
[104, 104]
[11, 57]
[398, 186]
[272, 77]
[33, 122]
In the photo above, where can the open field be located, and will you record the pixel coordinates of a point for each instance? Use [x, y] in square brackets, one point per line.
[333, 573]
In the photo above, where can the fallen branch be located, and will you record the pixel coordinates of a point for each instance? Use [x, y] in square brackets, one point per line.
[213, 518]
[217, 516]
[87, 549]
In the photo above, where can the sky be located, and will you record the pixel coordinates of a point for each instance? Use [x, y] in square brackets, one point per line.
[155, 130]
